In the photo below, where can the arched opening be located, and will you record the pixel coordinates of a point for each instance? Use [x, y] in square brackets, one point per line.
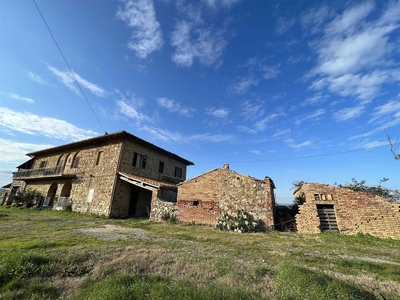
[66, 190]
[68, 160]
[51, 194]
[75, 161]
[60, 164]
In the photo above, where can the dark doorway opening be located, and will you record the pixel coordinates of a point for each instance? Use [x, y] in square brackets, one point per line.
[327, 218]
[140, 203]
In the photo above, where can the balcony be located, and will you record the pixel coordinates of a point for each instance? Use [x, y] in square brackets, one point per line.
[41, 173]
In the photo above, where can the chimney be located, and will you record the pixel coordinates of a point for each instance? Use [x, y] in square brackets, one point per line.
[226, 166]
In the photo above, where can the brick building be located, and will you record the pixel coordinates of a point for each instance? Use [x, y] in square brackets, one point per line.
[327, 208]
[204, 198]
[116, 174]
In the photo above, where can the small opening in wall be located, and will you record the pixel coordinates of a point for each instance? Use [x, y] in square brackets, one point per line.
[196, 203]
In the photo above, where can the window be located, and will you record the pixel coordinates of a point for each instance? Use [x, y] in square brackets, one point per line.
[99, 158]
[139, 160]
[75, 163]
[178, 172]
[43, 164]
[161, 167]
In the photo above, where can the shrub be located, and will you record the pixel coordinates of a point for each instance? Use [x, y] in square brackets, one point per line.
[27, 198]
[169, 218]
[241, 222]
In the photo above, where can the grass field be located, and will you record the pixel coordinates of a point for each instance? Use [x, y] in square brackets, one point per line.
[64, 255]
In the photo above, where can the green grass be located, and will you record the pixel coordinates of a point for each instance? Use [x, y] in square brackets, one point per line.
[45, 255]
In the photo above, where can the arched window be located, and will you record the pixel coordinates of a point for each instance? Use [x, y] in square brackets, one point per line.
[75, 162]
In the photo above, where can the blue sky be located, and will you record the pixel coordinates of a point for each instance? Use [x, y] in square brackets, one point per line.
[271, 87]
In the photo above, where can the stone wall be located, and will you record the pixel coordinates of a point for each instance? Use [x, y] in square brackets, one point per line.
[203, 199]
[356, 212]
[160, 207]
[152, 163]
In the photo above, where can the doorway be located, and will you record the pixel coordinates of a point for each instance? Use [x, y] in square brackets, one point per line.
[327, 218]
[140, 202]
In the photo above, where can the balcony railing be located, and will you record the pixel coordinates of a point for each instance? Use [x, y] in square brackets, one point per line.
[41, 172]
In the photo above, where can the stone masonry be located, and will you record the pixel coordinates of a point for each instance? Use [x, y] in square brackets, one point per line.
[356, 212]
[203, 199]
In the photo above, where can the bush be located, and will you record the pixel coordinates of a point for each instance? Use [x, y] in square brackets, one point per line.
[169, 218]
[241, 222]
[27, 198]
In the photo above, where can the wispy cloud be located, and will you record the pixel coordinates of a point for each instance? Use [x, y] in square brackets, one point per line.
[68, 80]
[262, 124]
[168, 136]
[246, 129]
[41, 125]
[251, 111]
[15, 152]
[354, 54]
[218, 112]
[284, 24]
[292, 144]
[216, 3]
[282, 132]
[317, 98]
[18, 97]
[141, 17]
[348, 113]
[173, 106]
[270, 71]
[257, 152]
[129, 105]
[369, 145]
[243, 84]
[193, 40]
[36, 78]
[314, 115]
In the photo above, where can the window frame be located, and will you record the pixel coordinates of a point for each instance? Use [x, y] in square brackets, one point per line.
[161, 167]
[178, 172]
[139, 160]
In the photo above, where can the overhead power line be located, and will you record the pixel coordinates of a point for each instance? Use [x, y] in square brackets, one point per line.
[66, 62]
[288, 158]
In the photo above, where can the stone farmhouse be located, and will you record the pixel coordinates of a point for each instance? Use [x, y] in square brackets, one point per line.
[325, 208]
[203, 199]
[117, 175]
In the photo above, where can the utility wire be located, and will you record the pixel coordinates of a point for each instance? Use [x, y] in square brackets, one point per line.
[289, 158]
[66, 62]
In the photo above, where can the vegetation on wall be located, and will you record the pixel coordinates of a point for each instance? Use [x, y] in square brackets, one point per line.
[378, 190]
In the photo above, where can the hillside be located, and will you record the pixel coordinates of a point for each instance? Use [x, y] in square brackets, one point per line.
[63, 255]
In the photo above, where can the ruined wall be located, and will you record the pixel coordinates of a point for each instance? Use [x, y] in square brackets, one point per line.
[152, 163]
[203, 199]
[355, 211]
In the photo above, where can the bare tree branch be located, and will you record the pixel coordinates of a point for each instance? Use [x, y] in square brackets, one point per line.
[393, 147]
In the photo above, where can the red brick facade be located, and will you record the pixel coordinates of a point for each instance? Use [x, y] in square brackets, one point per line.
[203, 199]
[355, 212]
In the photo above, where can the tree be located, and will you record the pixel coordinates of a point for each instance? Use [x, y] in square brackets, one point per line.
[379, 190]
[393, 146]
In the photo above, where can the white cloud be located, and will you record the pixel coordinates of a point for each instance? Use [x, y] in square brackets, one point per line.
[15, 152]
[168, 136]
[40, 125]
[317, 98]
[257, 152]
[292, 144]
[195, 42]
[141, 17]
[251, 111]
[262, 124]
[243, 84]
[216, 3]
[36, 78]
[315, 116]
[218, 112]
[312, 19]
[270, 71]
[284, 24]
[354, 54]
[68, 80]
[173, 106]
[348, 113]
[18, 97]
[246, 129]
[282, 132]
[130, 110]
[369, 145]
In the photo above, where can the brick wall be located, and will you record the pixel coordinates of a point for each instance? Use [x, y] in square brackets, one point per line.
[204, 198]
[355, 211]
